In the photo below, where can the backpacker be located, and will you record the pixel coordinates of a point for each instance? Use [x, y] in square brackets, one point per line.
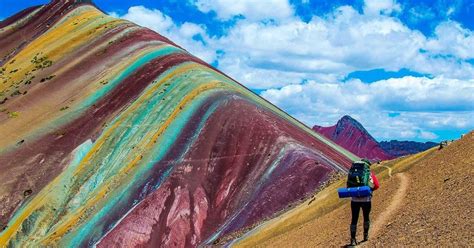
[359, 174]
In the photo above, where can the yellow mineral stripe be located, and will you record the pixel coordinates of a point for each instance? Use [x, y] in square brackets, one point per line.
[75, 218]
[21, 21]
[55, 47]
[37, 202]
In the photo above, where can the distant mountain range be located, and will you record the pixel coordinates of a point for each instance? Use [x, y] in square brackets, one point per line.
[351, 135]
[401, 148]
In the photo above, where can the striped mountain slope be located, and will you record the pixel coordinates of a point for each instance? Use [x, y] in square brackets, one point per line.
[111, 134]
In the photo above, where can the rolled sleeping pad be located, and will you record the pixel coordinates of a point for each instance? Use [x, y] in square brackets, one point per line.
[354, 192]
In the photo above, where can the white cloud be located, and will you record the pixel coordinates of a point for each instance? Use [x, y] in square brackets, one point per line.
[335, 46]
[421, 13]
[151, 18]
[450, 11]
[428, 135]
[407, 94]
[114, 14]
[452, 39]
[183, 35]
[265, 55]
[425, 104]
[250, 9]
[376, 7]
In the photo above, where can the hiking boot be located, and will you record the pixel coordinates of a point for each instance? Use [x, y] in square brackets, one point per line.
[366, 230]
[353, 229]
[353, 242]
[366, 236]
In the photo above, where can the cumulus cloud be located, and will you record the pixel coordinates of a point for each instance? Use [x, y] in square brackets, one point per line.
[250, 9]
[428, 135]
[334, 46]
[185, 35]
[452, 39]
[407, 94]
[151, 18]
[375, 7]
[423, 104]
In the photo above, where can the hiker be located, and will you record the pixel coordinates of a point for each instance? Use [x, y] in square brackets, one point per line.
[360, 175]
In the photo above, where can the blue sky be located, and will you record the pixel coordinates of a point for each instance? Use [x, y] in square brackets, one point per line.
[403, 68]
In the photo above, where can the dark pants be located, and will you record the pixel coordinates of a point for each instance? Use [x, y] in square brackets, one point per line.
[355, 209]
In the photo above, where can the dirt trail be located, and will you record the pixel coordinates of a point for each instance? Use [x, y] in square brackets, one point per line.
[397, 199]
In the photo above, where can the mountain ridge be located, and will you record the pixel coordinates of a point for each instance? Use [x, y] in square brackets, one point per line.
[399, 148]
[350, 134]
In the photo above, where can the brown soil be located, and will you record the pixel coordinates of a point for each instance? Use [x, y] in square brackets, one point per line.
[426, 202]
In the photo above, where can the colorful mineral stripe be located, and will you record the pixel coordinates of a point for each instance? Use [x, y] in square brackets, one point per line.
[112, 135]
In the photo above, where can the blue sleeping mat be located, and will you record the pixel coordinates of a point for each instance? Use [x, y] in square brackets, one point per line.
[354, 192]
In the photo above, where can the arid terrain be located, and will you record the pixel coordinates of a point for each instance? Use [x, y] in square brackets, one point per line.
[424, 200]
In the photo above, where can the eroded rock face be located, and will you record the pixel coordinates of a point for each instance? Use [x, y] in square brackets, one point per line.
[351, 135]
[113, 135]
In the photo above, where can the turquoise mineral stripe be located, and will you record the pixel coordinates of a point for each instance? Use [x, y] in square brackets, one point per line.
[120, 137]
[104, 162]
[129, 70]
[94, 226]
[192, 79]
[79, 153]
[88, 102]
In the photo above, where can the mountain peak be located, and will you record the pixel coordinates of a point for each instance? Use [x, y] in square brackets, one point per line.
[347, 118]
[347, 121]
[350, 134]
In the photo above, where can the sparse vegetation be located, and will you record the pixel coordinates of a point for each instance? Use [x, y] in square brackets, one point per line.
[15, 93]
[47, 78]
[41, 62]
[13, 114]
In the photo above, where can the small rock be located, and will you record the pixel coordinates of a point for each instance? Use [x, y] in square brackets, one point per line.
[27, 192]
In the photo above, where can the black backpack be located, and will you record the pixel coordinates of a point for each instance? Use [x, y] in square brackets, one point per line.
[359, 174]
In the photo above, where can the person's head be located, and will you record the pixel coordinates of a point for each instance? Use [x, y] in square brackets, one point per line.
[367, 161]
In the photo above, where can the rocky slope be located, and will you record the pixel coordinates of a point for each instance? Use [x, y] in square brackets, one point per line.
[351, 135]
[114, 136]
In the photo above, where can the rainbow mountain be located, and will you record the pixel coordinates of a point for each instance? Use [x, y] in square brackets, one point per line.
[112, 135]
